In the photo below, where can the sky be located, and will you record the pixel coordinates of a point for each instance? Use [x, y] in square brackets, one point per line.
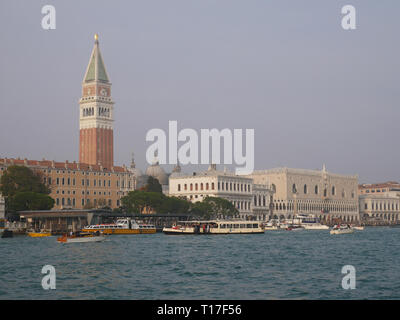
[313, 92]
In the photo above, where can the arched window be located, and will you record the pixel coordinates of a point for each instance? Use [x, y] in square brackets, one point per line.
[212, 186]
[273, 187]
[333, 190]
[201, 186]
[207, 186]
[294, 189]
[316, 190]
[305, 189]
[325, 192]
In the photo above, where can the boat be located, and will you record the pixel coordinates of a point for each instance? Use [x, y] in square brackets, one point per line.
[7, 233]
[294, 227]
[271, 225]
[40, 234]
[122, 226]
[342, 229]
[310, 222]
[79, 237]
[215, 227]
[359, 228]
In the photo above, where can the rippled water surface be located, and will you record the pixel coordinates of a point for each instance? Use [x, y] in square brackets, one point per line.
[274, 265]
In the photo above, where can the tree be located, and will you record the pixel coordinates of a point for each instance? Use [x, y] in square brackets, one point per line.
[214, 207]
[202, 210]
[21, 179]
[24, 190]
[31, 201]
[137, 201]
[153, 185]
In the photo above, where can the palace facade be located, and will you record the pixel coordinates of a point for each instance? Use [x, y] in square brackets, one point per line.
[324, 194]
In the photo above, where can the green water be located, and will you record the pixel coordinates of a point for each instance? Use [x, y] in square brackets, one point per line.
[274, 265]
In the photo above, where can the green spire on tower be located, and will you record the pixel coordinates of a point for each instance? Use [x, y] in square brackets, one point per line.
[96, 70]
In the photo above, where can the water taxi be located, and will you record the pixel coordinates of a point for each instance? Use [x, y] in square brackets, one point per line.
[309, 222]
[341, 229]
[39, 234]
[122, 226]
[294, 227]
[78, 237]
[215, 227]
[271, 225]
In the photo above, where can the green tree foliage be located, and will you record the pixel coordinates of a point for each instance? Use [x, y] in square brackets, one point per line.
[202, 210]
[220, 207]
[31, 201]
[24, 190]
[153, 185]
[210, 208]
[21, 179]
[137, 200]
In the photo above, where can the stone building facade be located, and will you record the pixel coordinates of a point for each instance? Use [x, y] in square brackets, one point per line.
[380, 207]
[77, 185]
[239, 190]
[324, 194]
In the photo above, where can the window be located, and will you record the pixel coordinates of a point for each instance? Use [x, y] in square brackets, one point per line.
[305, 189]
[316, 190]
[212, 186]
[294, 189]
[333, 190]
[179, 187]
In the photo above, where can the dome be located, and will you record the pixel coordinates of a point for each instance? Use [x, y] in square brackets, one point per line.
[157, 172]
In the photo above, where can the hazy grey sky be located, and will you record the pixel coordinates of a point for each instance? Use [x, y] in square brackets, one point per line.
[313, 92]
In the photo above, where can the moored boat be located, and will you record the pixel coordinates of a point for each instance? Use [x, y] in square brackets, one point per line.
[341, 229]
[271, 225]
[39, 234]
[122, 226]
[81, 237]
[359, 228]
[294, 227]
[310, 222]
[215, 227]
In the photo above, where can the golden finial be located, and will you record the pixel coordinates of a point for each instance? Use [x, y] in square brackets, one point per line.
[96, 37]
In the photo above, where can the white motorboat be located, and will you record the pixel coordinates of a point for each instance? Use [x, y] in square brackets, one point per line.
[310, 222]
[294, 227]
[359, 228]
[341, 229]
[271, 225]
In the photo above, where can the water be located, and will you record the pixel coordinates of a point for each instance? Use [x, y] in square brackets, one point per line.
[274, 265]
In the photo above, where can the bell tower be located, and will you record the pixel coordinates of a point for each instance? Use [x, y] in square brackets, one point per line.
[96, 140]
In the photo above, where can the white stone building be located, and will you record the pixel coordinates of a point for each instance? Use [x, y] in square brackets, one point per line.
[380, 207]
[240, 190]
[324, 194]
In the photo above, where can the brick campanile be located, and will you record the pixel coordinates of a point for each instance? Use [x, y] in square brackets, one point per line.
[96, 140]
